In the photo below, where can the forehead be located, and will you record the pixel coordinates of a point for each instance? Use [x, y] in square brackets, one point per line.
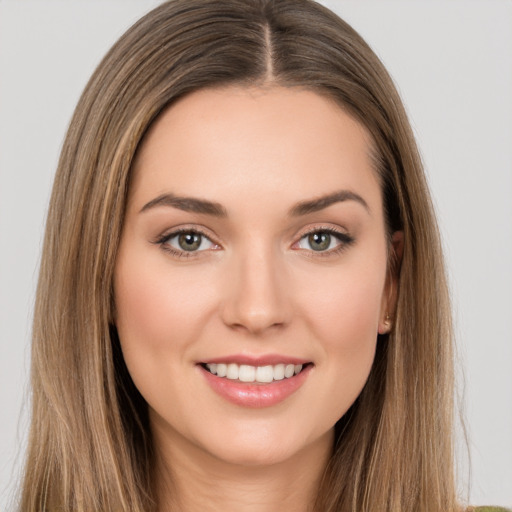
[254, 142]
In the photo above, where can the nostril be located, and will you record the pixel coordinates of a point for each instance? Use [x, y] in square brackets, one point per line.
[256, 325]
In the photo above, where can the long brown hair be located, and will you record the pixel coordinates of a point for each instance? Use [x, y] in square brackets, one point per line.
[90, 446]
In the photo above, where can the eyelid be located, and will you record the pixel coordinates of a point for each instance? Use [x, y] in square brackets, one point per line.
[162, 240]
[344, 238]
[324, 228]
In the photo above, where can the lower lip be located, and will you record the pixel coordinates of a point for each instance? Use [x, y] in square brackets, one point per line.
[256, 395]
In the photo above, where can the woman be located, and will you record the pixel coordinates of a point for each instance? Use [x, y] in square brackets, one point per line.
[242, 297]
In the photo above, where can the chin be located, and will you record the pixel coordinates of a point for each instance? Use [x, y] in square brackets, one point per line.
[263, 447]
[255, 456]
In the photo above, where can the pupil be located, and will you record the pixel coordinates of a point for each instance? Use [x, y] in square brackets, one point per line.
[319, 241]
[189, 241]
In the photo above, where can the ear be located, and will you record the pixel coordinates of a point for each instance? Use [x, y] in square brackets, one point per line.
[390, 294]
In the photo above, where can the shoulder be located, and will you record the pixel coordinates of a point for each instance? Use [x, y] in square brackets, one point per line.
[489, 509]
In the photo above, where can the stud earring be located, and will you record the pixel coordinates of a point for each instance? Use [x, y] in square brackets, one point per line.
[387, 322]
[385, 327]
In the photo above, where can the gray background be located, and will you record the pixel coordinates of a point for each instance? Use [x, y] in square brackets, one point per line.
[453, 65]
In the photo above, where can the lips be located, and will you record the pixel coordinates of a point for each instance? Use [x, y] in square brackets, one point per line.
[255, 381]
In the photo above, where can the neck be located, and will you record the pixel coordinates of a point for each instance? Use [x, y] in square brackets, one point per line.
[190, 480]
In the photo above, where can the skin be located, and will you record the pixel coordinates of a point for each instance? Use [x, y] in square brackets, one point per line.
[255, 287]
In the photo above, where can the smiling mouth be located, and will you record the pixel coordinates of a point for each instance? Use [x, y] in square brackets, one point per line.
[256, 385]
[254, 374]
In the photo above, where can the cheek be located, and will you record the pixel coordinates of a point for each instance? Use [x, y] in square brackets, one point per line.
[343, 315]
[345, 311]
[154, 308]
[142, 306]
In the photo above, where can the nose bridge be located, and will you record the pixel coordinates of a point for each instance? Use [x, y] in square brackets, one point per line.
[257, 297]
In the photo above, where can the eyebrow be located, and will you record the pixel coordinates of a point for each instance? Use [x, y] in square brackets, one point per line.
[187, 204]
[315, 205]
[196, 205]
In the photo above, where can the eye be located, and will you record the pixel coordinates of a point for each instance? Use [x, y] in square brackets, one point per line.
[324, 240]
[186, 242]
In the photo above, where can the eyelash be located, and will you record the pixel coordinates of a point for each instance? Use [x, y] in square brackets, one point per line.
[344, 239]
[162, 242]
[345, 242]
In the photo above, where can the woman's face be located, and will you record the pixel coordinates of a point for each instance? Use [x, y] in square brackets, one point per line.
[254, 242]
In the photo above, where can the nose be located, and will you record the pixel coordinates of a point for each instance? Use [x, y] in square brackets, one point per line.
[256, 299]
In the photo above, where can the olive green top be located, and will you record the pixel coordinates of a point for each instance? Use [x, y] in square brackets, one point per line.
[491, 509]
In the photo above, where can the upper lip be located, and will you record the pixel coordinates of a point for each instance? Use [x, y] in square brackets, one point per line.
[257, 360]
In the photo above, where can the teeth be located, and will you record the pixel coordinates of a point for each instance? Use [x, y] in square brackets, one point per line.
[264, 374]
[232, 371]
[222, 369]
[279, 372]
[247, 373]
